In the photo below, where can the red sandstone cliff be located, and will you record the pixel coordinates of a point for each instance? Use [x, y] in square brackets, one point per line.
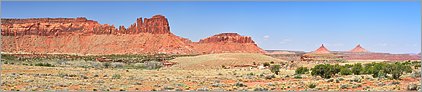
[227, 42]
[83, 36]
[158, 24]
[53, 26]
[227, 38]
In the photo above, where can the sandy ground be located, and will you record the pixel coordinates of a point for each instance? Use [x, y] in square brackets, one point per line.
[35, 78]
[215, 61]
[197, 73]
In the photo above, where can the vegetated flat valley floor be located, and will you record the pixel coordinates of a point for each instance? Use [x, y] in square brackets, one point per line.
[190, 73]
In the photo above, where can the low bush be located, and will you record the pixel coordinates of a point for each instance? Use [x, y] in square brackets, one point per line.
[117, 65]
[323, 70]
[312, 85]
[153, 65]
[379, 70]
[106, 65]
[416, 74]
[297, 77]
[266, 64]
[139, 65]
[345, 71]
[275, 69]
[116, 76]
[96, 65]
[44, 64]
[357, 69]
[302, 70]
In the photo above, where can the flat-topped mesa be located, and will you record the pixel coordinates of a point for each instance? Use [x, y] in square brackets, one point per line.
[158, 24]
[46, 20]
[53, 26]
[227, 37]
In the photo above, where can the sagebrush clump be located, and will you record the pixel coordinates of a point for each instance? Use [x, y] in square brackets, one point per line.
[302, 70]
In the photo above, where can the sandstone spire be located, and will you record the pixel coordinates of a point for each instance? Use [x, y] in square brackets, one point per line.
[321, 50]
[158, 24]
[358, 49]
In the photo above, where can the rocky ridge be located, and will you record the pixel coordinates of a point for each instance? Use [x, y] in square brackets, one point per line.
[83, 36]
[227, 42]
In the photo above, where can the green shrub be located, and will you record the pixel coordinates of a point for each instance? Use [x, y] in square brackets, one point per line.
[275, 69]
[357, 69]
[266, 64]
[348, 66]
[367, 69]
[377, 70]
[323, 70]
[405, 63]
[44, 64]
[417, 66]
[396, 74]
[398, 69]
[106, 65]
[116, 76]
[336, 68]
[345, 71]
[302, 70]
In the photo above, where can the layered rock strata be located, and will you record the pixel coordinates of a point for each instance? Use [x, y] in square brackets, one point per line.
[83, 36]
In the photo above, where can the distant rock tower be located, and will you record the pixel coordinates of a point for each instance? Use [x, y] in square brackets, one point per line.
[358, 49]
[321, 50]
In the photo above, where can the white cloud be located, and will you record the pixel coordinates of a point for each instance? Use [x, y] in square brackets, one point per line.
[266, 37]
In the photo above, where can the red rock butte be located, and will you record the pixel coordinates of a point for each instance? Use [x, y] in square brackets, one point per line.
[358, 49]
[321, 50]
[227, 42]
[83, 36]
[228, 38]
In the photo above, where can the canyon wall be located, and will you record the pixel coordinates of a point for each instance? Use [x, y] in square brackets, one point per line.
[85, 37]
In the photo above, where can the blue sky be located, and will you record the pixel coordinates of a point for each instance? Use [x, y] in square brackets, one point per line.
[393, 27]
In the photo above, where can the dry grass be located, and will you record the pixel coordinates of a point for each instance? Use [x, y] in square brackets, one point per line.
[215, 61]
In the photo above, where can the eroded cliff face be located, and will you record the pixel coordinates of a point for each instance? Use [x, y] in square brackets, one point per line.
[227, 38]
[83, 36]
[158, 24]
[97, 44]
[227, 42]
